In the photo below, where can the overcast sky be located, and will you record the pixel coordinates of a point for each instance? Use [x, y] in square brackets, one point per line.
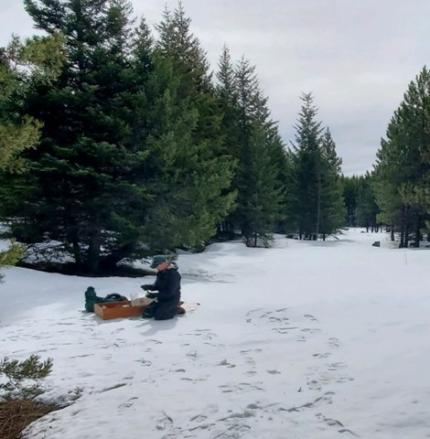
[357, 57]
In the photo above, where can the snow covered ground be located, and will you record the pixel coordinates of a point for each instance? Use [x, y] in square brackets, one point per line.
[302, 341]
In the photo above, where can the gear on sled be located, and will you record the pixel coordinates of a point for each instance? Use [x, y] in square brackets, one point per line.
[91, 299]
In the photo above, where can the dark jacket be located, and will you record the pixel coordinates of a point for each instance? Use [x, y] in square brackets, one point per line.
[168, 285]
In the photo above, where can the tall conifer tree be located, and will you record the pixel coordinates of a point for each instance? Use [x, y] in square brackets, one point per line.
[84, 191]
[191, 172]
[20, 65]
[307, 164]
[259, 182]
[318, 205]
[403, 166]
[332, 204]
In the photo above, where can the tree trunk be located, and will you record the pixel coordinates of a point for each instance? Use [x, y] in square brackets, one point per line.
[407, 227]
[77, 252]
[417, 233]
[392, 233]
[109, 262]
[404, 241]
[93, 255]
[317, 226]
[402, 228]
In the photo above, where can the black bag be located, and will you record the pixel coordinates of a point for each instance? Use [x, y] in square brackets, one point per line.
[114, 297]
[91, 299]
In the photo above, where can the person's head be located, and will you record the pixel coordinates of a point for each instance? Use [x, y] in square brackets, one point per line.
[163, 266]
[160, 262]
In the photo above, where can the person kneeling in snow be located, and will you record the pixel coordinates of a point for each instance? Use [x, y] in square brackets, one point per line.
[168, 287]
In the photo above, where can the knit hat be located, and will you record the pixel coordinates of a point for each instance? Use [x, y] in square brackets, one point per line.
[157, 260]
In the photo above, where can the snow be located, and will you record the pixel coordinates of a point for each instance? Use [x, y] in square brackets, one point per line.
[307, 340]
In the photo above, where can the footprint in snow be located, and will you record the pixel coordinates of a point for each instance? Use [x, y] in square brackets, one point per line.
[129, 403]
[310, 317]
[331, 422]
[334, 342]
[144, 362]
[226, 363]
[322, 355]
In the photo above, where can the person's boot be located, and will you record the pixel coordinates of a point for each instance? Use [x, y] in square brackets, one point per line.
[149, 311]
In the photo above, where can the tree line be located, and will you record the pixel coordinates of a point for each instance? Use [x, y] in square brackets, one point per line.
[116, 143]
[396, 193]
[402, 170]
[137, 147]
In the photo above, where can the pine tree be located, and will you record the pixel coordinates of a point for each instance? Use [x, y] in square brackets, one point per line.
[403, 167]
[291, 199]
[367, 209]
[260, 153]
[17, 132]
[83, 175]
[177, 42]
[332, 205]
[20, 65]
[317, 207]
[227, 99]
[281, 167]
[188, 168]
[259, 201]
[360, 201]
[350, 195]
[307, 166]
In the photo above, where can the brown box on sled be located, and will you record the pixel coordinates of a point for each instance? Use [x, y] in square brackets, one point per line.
[114, 310]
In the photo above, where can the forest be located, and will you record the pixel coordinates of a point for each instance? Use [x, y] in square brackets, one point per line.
[117, 142]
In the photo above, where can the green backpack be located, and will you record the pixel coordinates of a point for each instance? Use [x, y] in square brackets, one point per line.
[91, 299]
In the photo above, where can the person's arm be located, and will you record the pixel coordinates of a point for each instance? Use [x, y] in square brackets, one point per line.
[149, 287]
[152, 287]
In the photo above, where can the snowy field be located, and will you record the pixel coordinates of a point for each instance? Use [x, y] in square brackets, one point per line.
[302, 341]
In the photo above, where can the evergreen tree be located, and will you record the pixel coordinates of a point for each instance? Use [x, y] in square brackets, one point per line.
[17, 132]
[20, 64]
[367, 209]
[188, 169]
[307, 167]
[332, 205]
[403, 167]
[227, 99]
[281, 167]
[350, 194]
[360, 201]
[83, 182]
[291, 199]
[177, 42]
[259, 184]
[317, 207]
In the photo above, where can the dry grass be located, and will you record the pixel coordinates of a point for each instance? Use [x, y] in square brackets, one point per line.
[16, 415]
